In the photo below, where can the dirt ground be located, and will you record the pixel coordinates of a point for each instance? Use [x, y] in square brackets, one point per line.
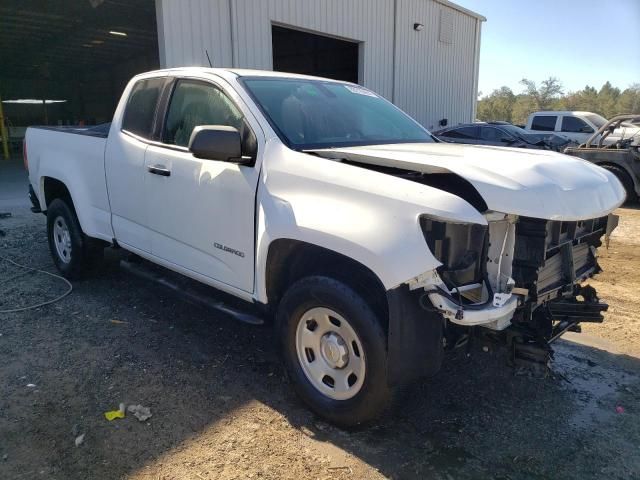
[223, 410]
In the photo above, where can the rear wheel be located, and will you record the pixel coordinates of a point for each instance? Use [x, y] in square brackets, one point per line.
[334, 350]
[625, 180]
[72, 251]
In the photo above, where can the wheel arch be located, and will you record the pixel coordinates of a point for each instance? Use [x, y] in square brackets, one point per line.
[414, 335]
[621, 165]
[94, 222]
[289, 260]
[52, 188]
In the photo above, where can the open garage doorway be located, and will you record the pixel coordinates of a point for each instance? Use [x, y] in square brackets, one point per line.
[66, 62]
[296, 51]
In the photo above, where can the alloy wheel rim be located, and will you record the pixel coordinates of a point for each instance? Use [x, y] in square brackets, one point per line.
[330, 353]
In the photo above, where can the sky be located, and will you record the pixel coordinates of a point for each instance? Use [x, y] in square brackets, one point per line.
[581, 42]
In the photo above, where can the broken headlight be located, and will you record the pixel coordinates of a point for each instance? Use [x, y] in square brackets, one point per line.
[460, 247]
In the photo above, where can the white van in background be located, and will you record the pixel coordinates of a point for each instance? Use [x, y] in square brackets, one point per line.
[576, 126]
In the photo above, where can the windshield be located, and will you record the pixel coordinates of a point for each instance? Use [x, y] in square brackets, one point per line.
[313, 114]
[597, 120]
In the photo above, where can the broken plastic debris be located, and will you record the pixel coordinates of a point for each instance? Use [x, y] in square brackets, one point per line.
[113, 414]
[118, 322]
[79, 440]
[31, 385]
[140, 412]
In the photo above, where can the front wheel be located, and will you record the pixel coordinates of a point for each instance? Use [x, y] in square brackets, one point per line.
[334, 349]
[625, 180]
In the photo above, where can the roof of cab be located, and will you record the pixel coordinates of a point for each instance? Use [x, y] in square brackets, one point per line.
[561, 112]
[235, 72]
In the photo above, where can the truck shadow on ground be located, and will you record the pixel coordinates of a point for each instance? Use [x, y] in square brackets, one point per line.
[221, 403]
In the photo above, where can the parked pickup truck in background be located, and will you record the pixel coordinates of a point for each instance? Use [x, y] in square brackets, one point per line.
[576, 126]
[374, 247]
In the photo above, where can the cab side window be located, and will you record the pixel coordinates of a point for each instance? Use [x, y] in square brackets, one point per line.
[140, 111]
[194, 104]
[467, 133]
[494, 135]
[544, 123]
[575, 125]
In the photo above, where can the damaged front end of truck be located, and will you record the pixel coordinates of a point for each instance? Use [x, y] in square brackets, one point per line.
[518, 281]
[515, 279]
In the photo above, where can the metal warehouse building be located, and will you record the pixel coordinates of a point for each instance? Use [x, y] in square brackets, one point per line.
[421, 54]
[71, 58]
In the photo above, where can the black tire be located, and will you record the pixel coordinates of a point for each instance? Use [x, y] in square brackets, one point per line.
[84, 252]
[625, 180]
[374, 394]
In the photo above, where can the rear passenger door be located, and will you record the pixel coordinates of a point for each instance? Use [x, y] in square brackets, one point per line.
[201, 213]
[124, 163]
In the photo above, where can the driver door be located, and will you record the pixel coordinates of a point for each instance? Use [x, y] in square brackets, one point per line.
[201, 212]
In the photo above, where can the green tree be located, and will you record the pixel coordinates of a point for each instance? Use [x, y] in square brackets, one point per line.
[546, 95]
[522, 107]
[629, 100]
[607, 100]
[497, 106]
[585, 100]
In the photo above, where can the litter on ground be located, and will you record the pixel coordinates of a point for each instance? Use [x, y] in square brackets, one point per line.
[140, 412]
[113, 414]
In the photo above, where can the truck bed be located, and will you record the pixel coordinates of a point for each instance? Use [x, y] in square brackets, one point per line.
[73, 156]
[100, 131]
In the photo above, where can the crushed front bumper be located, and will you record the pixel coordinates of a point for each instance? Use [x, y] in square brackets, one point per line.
[527, 295]
[529, 263]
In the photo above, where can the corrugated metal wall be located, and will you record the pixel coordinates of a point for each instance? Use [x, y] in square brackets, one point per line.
[434, 79]
[428, 78]
[189, 28]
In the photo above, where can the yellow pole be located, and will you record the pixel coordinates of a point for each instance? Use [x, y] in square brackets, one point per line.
[3, 133]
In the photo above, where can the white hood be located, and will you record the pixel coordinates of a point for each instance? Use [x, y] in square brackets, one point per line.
[533, 183]
[623, 133]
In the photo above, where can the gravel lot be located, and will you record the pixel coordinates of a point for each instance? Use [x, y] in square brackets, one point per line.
[222, 408]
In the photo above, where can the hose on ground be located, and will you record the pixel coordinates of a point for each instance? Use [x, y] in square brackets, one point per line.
[31, 269]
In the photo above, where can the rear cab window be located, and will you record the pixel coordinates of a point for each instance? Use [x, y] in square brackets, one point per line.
[544, 123]
[140, 112]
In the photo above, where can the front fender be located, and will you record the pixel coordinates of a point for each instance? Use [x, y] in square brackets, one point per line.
[368, 216]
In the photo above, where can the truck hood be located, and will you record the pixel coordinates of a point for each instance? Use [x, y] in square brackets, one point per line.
[626, 132]
[532, 183]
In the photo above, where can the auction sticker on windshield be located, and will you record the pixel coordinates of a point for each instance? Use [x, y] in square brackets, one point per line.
[360, 91]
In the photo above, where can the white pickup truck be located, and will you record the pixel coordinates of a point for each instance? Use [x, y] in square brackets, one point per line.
[577, 126]
[374, 247]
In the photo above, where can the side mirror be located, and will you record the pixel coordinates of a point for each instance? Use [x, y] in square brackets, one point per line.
[217, 142]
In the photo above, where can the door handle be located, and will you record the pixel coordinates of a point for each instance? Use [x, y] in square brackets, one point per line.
[159, 170]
